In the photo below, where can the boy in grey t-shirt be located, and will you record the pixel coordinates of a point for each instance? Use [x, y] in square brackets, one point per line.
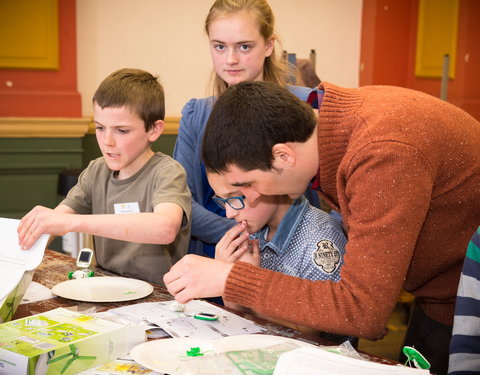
[135, 202]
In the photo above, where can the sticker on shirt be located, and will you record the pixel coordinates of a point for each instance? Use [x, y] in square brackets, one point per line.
[126, 208]
[327, 257]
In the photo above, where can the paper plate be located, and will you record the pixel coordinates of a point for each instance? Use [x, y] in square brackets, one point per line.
[103, 289]
[170, 355]
[254, 341]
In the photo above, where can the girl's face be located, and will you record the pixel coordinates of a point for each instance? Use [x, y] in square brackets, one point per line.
[238, 49]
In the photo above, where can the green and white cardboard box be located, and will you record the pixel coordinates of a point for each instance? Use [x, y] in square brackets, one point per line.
[9, 304]
[63, 342]
[16, 266]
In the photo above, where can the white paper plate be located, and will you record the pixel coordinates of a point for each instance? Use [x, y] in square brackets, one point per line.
[103, 289]
[170, 355]
[254, 341]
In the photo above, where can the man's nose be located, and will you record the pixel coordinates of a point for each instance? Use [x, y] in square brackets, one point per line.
[251, 194]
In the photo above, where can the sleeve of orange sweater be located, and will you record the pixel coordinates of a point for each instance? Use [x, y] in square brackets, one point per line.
[384, 193]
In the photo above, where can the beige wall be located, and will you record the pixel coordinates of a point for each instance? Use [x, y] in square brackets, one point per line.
[166, 37]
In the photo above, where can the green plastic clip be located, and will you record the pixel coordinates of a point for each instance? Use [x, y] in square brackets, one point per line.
[415, 357]
[194, 352]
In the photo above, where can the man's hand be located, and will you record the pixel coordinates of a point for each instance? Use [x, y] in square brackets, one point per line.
[40, 220]
[233, 244]
[195, 276]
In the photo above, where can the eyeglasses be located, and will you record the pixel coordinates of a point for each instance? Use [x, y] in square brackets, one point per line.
[236, 203]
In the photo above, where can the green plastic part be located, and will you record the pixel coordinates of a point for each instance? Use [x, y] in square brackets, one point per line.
[194, 352]
[415, 357]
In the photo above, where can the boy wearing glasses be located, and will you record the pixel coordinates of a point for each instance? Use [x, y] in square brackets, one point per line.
[281, 234]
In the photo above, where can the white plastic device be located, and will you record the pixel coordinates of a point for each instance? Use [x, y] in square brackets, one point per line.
[84, 258]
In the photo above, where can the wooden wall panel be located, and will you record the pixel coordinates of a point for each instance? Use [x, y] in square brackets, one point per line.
[436, 37]
[388, 50]
[45, 93]
[29, 34]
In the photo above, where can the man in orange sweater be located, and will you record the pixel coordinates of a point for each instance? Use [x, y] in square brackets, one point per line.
[402, 167]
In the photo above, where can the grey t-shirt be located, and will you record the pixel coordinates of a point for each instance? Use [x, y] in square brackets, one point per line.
[161, 180]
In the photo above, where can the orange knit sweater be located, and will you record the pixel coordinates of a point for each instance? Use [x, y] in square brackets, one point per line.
[403, 168]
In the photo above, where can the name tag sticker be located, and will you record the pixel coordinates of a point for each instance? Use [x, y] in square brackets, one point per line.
[126, 208]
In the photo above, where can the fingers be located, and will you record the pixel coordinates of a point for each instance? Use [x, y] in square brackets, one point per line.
[230, 252]
[41, 220]
[24, 224]
[239, 251]
[231, 235]
[179, 275]
[30, 238]
[182, 298]
[28, 229]
[233, 244]
[188, 279]
[175, 272]
[176, 289]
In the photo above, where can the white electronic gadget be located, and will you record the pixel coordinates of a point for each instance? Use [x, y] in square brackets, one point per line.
[84, 258]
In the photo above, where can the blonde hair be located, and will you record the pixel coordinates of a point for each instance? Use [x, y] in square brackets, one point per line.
[275, 69]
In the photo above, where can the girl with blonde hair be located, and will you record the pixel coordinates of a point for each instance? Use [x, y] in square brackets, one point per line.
[242, 45]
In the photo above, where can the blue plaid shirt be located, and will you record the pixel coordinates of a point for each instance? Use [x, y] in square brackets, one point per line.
[309, 243]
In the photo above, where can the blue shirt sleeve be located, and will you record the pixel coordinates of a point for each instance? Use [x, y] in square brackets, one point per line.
[207, 226]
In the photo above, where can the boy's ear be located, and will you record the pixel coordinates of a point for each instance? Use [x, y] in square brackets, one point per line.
[283, 156]
[156, 130]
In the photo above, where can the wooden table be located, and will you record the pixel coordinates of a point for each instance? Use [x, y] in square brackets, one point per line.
[55, 268]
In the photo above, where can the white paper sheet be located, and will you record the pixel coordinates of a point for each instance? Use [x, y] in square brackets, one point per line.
[183, 324]
[37, 292]
[13, 260]
[307, 360]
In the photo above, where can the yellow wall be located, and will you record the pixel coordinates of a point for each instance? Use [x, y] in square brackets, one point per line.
[29, 34]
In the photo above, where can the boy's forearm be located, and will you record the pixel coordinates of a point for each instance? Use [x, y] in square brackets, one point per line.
[145, 227]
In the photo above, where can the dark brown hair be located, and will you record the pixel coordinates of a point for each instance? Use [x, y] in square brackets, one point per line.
[135, 89]
[247, 120]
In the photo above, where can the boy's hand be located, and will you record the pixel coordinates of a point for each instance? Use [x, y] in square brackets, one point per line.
[40, 220]
[195, 276]
[233, 244]
[251, 256]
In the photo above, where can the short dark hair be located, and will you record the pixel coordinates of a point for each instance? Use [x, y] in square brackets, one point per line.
[136, 89]
[247, 120]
